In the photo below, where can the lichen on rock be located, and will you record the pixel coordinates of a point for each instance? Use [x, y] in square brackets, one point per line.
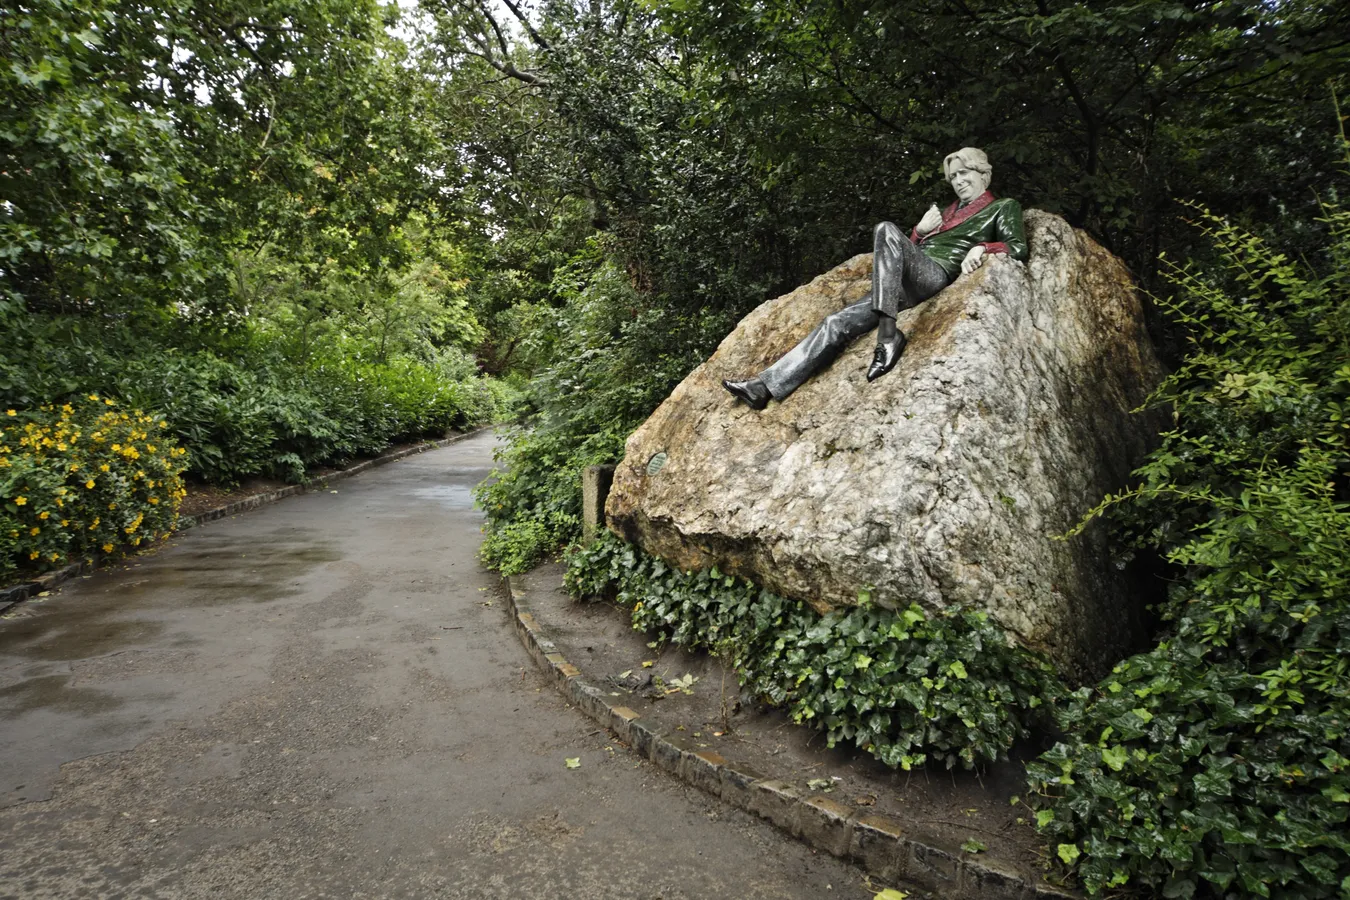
[949, 480]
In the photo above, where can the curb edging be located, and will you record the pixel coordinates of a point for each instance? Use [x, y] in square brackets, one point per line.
[876, 843]
[14, 595]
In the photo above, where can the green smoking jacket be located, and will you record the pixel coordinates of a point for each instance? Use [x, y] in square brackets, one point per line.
[994, 222]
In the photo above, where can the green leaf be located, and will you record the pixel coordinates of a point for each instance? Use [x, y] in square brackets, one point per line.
[1068, 853]
[1115, 757]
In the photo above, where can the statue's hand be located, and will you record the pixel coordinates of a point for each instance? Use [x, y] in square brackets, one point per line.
[973, 259]
[930, 221]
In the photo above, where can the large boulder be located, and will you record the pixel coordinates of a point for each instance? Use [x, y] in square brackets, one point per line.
[948, 481]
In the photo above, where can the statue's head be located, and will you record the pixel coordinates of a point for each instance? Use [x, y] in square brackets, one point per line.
[968, 172]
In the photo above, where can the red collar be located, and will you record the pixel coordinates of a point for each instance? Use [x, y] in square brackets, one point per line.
[951, 216]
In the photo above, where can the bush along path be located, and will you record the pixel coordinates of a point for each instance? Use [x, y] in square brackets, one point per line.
[84, 481]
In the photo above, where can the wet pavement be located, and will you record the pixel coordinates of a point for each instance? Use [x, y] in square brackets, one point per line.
[324, 698]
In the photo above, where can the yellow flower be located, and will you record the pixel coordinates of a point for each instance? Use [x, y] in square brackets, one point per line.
[35, 530]
[107, 548]
[93, 396]
[67, 409]
[89, 484]
[44, 515]
[104, 468]
[55, 557]
[10, 412]
[20, 501]
[109, 402]
[65, 522]
[33, 555]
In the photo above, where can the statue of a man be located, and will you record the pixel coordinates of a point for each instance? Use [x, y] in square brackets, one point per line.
[905, 272]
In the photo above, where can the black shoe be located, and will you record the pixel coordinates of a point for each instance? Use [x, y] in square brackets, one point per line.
[753, 392]
[884, 359]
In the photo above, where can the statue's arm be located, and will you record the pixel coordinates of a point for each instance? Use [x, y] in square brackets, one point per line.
[1009, 235]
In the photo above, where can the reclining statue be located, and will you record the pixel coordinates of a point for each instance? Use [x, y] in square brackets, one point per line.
[905, 272]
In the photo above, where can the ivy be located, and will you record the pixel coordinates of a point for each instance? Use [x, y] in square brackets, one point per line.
[908, 686]
[1215, 765]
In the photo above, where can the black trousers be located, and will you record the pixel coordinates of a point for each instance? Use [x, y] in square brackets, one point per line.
[901, 277]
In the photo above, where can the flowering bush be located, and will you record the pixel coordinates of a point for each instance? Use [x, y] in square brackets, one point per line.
[84, 480]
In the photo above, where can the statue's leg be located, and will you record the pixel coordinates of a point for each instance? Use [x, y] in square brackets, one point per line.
[819, 348]
[902, 276]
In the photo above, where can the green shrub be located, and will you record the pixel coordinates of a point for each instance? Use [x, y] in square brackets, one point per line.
[617, 356]
[84, 480]
[907, 686]
[239, 403]
[516, 546]
[1216, 764]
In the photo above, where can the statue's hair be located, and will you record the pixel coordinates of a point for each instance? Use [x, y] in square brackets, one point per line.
[973, 157]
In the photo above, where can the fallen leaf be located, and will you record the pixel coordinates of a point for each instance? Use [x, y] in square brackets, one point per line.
[891, 894]
[649, 663]
[574, 762]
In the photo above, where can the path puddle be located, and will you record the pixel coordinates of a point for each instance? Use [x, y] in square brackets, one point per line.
[53, 692]
[98, 616]
[450, 496]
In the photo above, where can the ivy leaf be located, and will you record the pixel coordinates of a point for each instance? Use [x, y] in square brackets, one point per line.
[1115, 757]
[1068, 853]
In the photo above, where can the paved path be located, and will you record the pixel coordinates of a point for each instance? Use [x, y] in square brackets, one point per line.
[323, 698]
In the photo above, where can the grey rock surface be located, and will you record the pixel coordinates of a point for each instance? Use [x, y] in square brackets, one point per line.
[945, 482]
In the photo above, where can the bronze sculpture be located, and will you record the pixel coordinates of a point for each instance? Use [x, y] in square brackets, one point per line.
[906, 271]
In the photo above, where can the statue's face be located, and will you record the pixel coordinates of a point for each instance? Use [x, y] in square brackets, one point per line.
[967, 183]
